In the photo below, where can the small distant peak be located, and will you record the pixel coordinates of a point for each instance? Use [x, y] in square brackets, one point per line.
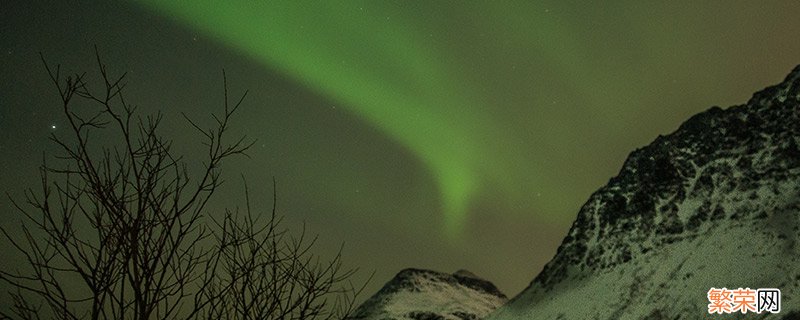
[415, 279]
[407, 272]
[466, 274]
[420, 294]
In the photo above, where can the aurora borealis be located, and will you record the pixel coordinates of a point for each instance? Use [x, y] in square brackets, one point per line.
[440, 135]
[382, 71]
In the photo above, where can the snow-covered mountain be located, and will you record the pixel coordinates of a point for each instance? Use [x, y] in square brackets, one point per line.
[716, 204]
[415, 294]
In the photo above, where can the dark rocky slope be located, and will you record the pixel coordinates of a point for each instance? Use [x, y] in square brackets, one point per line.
[714, 204]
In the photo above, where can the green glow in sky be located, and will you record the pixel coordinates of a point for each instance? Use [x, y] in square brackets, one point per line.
[386, 71]
[433, 134]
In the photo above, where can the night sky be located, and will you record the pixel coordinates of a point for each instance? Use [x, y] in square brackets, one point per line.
[442, 135]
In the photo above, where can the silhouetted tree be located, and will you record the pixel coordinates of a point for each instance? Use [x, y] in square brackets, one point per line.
[121, 231]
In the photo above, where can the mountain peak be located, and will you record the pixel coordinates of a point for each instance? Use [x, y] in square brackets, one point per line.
[789, 88]
[714, 204]
[420, 294]
[465, 274]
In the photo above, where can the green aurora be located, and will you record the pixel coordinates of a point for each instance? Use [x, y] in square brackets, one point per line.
[384, 70]
[442, 135]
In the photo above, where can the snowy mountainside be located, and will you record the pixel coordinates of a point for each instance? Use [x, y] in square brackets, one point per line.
[714, 204]
[416, 294]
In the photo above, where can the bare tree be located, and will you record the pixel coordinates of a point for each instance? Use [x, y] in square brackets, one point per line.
[264, 273]
[121, 231]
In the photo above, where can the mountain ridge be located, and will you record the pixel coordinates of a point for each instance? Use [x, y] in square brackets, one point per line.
[726, 181]
[419, 294]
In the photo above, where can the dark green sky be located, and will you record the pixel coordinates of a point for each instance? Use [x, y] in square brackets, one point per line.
[439, 135]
